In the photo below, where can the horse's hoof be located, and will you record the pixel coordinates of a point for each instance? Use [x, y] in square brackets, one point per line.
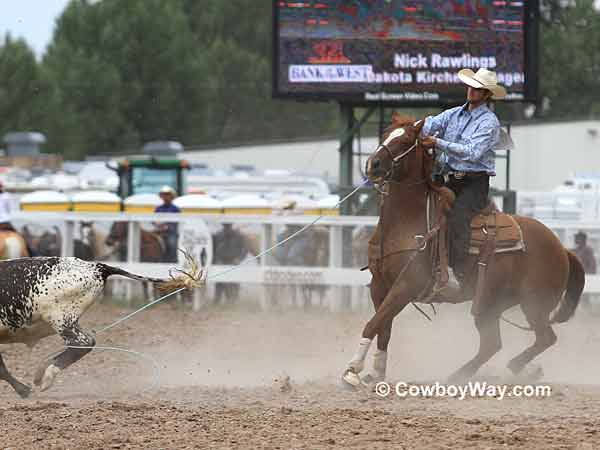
[537, 373]
[368, 379]
[457, 378]
[351, 379]
[529, 374]
[370, 383]
[371, 380]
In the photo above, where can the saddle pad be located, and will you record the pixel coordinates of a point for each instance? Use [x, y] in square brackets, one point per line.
[509, 236]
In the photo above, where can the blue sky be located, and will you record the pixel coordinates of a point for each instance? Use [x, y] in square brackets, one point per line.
[32, 20]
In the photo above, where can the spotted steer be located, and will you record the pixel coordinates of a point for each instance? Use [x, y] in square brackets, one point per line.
[43, 296]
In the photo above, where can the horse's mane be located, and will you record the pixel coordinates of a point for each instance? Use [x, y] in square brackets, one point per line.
[446, 195]
[398, 120]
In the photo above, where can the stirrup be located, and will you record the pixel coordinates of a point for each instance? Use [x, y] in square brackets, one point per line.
[452, 281]
[450, 292]
[452, 286]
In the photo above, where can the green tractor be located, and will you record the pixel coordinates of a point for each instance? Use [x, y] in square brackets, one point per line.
[146, 174]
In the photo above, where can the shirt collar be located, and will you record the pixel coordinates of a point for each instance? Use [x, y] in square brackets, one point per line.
[480, 110]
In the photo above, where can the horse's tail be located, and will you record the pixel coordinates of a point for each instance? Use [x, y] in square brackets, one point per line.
[575, 284]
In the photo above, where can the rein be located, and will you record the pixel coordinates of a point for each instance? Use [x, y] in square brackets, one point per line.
[420, 240]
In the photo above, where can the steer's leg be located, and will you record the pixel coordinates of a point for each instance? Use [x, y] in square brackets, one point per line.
[19, 387]
[74, 337]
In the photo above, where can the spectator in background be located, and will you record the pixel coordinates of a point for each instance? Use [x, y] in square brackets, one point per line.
[293, 252]
[585, 253]
[168, 230]
[229, 248]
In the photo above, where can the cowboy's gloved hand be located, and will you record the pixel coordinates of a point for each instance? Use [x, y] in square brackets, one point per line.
[428, 142]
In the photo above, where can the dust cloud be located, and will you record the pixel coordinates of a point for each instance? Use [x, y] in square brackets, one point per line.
[245, 347]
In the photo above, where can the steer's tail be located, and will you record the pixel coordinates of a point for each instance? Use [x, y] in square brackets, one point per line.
[189, 279]
[107, 271]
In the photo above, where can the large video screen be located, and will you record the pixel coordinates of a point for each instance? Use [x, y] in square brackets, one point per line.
[399, 51]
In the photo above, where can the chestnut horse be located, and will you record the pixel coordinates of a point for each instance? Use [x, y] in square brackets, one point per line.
[152, 245]
[544, 277]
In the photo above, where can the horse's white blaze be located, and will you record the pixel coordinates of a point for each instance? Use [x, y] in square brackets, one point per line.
[398, 132]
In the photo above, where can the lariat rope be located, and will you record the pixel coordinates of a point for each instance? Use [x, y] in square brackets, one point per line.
[164, 297]
[231, 269]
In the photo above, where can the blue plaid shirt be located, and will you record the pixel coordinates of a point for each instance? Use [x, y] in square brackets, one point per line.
[467, 137]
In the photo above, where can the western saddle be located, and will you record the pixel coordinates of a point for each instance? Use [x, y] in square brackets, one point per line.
[492, 231]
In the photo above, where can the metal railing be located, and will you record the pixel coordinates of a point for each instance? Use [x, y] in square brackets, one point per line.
[267, 271]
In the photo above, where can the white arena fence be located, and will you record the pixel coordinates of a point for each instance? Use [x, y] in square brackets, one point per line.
[338, 272]
[253, 273]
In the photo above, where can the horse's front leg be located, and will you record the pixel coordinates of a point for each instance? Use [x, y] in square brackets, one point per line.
[379, 291]
[380, 324]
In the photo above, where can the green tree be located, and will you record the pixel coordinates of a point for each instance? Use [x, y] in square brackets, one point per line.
[126, 73]
[118, 74]
[570, 59]
[25, 93]
[237, 38]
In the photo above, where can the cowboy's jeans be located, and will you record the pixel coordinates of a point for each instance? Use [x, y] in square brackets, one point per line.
[171, 247]
[471, 197]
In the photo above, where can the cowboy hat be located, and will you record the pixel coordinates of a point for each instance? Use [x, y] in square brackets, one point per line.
[167, 190]
[483, 79]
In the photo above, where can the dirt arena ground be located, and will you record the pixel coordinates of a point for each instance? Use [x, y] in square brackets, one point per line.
[220, 386]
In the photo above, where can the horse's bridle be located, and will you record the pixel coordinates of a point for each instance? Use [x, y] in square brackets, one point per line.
[421, 241]
[387, 177]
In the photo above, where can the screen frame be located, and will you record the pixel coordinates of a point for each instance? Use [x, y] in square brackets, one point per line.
[530, 69]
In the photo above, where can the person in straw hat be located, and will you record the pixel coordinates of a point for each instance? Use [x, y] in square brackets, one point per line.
[168, 230]
[465, 138]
